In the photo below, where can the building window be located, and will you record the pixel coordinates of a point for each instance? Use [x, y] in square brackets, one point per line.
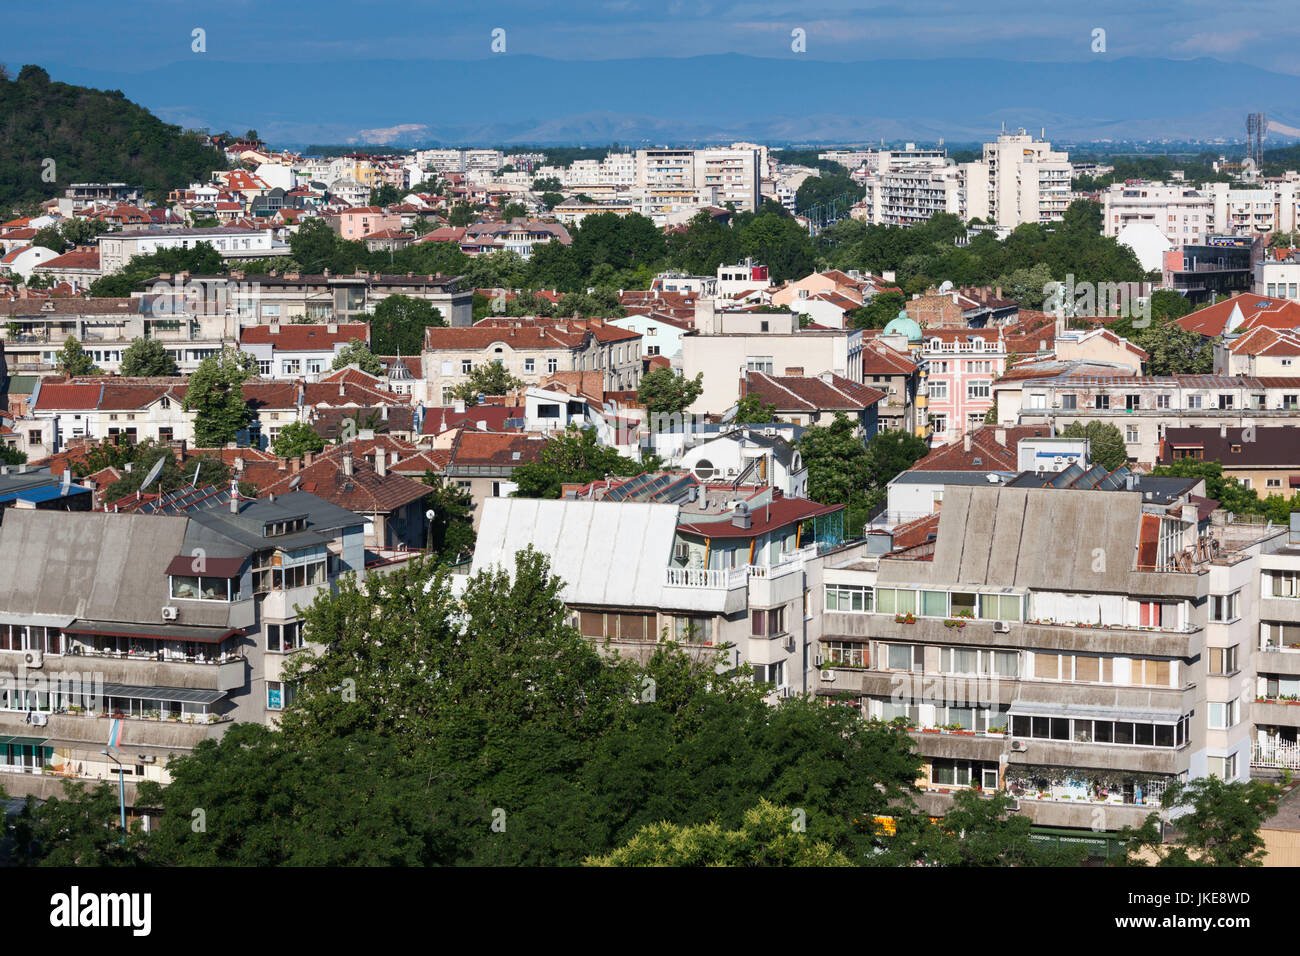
[284, 637]
[1223, 661]
[1162, 401]
[1132, 402]
[552, 365]
[905, 657]
[264, 368]
[1131, 434]
[855, 599]
[1223, 607]
[1225, 768]
[466, 366]
[1194, 402]
[530, 366]
[1103, 403]
[841, 652]
[939, 391]
[1070, 401]
[768, 623]
[1224, 716]
[939, 424]
[759, 363]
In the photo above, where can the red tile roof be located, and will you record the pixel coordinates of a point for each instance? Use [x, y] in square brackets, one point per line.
[473, 447]
[805, 393]
[1255, 310]
[296, 337]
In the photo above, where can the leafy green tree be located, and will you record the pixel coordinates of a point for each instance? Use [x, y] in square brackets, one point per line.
[202, 259]
[462, 214]
[73, 359]
[768, 837]
[979, 830]
[385, 195]
[666, 392]
[148, 357]
[513, 210]
[752, 410]
[1167, 304]
[1028, 286]
[552, 199]
[272, 801]
[1174, 350]
[547, 184]
[881, 309]
[398, 325]
[81, 828]
[889, 454]
[703, 245]
[12, 456]
[1105, 443]
[836, 459]
[96, 136]
[1217, 823]
[215, 395]
[451, 533]
[488, 379]
[572, 457]
[357, 353]
[297, 439]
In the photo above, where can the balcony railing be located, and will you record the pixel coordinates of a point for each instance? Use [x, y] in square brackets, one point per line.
[1275, 752]
[718, 579]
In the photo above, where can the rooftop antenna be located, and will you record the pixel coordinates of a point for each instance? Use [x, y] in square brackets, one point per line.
[194, 482]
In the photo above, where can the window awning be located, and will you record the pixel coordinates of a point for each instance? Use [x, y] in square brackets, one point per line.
[183, 695]
[1034, 708]
[154, 632]
[24, 741]
[183, 564]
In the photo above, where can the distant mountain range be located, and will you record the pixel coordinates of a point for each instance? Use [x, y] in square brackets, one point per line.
[528, 99]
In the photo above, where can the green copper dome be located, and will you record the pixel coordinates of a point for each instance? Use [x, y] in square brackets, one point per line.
[902, 325]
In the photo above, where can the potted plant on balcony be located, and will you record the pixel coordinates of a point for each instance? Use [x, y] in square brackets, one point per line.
[908, 618]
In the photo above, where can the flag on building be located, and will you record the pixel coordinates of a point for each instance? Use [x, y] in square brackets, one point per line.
[114, 733]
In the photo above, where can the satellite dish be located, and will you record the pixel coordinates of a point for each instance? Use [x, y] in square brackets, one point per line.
[296, 481]
[154, 472]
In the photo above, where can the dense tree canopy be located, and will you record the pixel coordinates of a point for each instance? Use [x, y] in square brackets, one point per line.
[96, 136]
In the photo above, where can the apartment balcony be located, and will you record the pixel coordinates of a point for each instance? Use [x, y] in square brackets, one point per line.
[226, 672]
[1275, 752]
[1279, 609]
[282, 605]
[1275, 712]
[1282, 661]
[1074, 814]
[974, 633]
[718, 591]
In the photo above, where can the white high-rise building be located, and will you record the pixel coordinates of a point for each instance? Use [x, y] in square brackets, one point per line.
[734, 173]
[1183, 214]
[1020, 179]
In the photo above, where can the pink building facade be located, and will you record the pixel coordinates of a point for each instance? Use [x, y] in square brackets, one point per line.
[959, 366]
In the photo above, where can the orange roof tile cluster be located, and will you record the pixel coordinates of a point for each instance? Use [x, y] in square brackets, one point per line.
[297, 337]
[807, 393]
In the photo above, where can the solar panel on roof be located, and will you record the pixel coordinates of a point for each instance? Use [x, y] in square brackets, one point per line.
[1066, 476]
[1091, 477]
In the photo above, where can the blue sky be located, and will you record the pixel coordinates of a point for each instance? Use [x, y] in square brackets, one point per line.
[1264, 33]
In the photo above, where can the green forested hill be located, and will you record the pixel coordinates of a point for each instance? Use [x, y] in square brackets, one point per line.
[91, 136]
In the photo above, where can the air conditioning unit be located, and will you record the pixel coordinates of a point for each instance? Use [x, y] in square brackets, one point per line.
[789, 644]
[828, 677]
[783, 692]
[146, 758]
[1019, 746]
[170, 612]
[1001, 627]
[40, 720]
[680, 551]
[34, 659]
